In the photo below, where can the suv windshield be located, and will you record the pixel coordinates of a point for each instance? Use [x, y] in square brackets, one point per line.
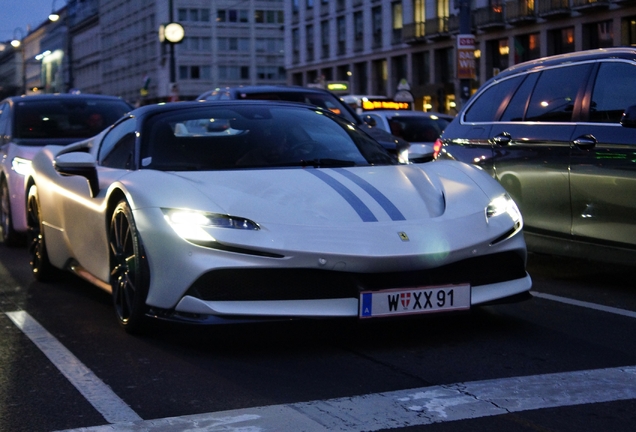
[255, 136]
[65, 118]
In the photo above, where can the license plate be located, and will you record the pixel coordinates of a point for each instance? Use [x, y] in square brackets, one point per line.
[408, 301]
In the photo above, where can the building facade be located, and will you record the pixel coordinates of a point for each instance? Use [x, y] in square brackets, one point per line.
[226, 43]
[376, 44]
[113, 47]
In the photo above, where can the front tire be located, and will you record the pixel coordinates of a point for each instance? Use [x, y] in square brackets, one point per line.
[129, 276]
[41, 267]
[9, 236]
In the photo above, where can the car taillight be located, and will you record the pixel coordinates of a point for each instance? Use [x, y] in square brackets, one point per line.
[437, 147]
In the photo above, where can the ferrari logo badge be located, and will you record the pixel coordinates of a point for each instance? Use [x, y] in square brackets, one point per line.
[403, 236]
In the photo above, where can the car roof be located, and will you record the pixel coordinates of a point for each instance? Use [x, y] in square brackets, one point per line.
[574, 57]
[267, 89]
[176, 106]
[58, 96]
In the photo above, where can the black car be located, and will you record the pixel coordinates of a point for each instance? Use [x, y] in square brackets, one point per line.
[559, 133]
[313, 96]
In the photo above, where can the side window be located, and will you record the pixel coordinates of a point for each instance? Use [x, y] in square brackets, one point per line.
[4, 121]
[519, 102]
[118, 146]
[555, 93]
[614, 90]
[486, 106]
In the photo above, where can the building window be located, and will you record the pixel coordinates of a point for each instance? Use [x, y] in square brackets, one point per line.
[358, 31]
[421, 68]
[309, 42]
[561, 41]
[194, 72]
[376, 22]
[193, 15]
[527, 47]
[342, 35]
[398, 21]
[419, 18]
[324, 38]
[598, 35]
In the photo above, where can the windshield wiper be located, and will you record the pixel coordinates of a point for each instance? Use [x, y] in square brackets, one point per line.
[328, 162]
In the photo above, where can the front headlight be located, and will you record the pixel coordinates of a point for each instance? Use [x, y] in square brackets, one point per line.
[403, 156]
[20, 165]
[504, 204]
[190, 224]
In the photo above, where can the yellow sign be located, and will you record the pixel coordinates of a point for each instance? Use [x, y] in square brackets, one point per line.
[370, 105]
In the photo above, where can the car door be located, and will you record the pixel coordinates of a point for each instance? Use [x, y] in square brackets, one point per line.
[531, 146]
[469, 133]
[84, 219]
[603, 162]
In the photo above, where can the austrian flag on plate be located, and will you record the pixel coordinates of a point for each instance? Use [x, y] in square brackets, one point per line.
[414, 300]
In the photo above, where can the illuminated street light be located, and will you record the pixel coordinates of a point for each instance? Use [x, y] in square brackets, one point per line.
[17, 41]
[53, 16]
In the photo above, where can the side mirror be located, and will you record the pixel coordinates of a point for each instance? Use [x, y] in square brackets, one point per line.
[79, 164]
[629, 117]
[369, 120]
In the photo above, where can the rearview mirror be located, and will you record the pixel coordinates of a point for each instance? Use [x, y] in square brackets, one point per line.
[79, 164]
[629, 117]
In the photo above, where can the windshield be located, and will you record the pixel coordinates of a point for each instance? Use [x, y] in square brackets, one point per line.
[65, 118]
[250, 136]
[417, 128]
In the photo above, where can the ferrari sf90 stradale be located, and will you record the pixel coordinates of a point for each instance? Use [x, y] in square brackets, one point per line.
[203, 212]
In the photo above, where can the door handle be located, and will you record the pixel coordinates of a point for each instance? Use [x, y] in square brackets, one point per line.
[584, 142]
[503, 139]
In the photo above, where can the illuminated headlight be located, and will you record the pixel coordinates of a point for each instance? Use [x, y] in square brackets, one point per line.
[191, 225]
[21, 166]
[504, 204]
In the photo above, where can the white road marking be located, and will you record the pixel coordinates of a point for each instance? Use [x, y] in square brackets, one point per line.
[98, 394]
[407, 407]
[389, 410]
[585, 304]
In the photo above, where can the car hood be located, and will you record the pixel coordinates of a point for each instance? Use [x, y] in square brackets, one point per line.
[320, 197]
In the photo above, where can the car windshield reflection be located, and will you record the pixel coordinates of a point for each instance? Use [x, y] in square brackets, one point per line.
[213, 138]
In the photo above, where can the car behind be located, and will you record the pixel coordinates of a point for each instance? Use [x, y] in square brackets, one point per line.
[27, 123]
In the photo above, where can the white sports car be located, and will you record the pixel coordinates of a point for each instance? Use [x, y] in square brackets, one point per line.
[212, 211]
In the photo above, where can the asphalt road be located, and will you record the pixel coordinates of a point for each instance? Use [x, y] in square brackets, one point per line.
[70, 366]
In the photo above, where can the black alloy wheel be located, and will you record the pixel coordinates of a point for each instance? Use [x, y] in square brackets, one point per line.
[9, 236]
[129, 276]
[41, 267]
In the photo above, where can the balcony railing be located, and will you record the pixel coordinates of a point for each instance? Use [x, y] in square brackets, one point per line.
[414, 32]
[436, 27]
[589, 5]
[489, 17]
[553, 8]
[520, 11]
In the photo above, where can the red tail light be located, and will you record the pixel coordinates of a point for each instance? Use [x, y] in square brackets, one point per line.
[437, 147]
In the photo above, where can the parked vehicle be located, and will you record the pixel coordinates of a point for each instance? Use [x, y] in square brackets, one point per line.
[27, 123]
[269, 211]
[421, 129]
[559, 134]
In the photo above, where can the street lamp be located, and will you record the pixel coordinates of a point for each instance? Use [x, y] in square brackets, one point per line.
[17, 43]
[54, 16]
[171, 34]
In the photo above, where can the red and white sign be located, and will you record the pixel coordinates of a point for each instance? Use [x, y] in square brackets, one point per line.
[466, 56]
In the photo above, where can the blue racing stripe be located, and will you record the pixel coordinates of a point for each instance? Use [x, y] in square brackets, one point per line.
[356, 203]
[380, 198]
